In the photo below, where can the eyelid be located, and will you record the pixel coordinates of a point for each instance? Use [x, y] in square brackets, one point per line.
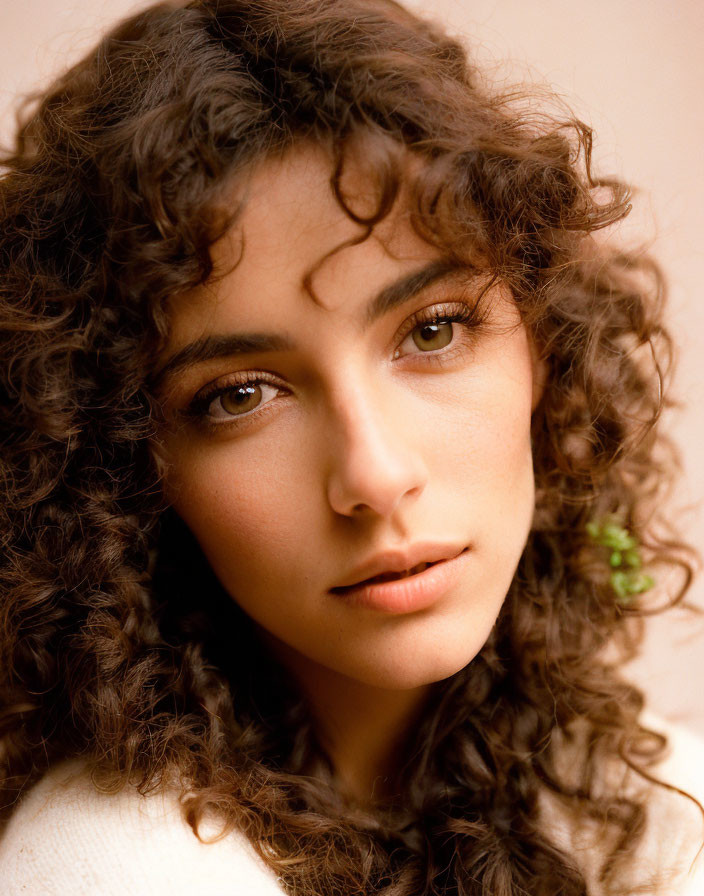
[471, 315]
[198, 406]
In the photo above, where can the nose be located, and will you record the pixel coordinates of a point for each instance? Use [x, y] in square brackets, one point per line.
[374, 465]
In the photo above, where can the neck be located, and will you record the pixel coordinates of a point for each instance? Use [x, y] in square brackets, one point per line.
[362, 727]
[364, 730]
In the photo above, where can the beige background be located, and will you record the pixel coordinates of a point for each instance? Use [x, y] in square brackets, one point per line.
[635, 71]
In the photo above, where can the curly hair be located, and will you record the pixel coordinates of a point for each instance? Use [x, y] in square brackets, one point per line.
[112, 626]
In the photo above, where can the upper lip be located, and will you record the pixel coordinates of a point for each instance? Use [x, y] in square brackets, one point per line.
[400, 560]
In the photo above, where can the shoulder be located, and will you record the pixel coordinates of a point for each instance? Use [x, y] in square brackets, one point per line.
[670, 853]
[676, 824]
[68, 837]
[683, 764]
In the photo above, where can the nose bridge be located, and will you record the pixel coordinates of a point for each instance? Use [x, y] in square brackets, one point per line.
[374, 458]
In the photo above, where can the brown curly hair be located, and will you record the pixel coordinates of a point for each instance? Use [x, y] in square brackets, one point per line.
[111, 623]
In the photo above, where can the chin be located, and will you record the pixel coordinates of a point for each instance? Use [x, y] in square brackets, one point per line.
[417, 670]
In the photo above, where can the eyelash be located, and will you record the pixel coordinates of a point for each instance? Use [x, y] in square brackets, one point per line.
[198, 408]
[468, 316]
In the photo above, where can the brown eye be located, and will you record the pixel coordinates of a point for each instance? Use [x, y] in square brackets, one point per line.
[240, 400]
[432, 336]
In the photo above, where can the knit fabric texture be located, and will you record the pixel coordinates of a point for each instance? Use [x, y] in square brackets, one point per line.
[68, 837]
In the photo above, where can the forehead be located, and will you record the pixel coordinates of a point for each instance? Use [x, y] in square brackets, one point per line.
[294, 238]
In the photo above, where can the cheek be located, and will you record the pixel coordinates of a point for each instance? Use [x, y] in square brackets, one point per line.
[242, 512]
[480, 433]
[482, 462]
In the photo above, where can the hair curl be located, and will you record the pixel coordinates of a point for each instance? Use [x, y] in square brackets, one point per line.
[110, 202]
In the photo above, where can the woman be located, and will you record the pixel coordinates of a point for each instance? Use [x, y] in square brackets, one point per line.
[330, 464]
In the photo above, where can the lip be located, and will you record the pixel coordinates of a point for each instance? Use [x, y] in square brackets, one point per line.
[410, 593]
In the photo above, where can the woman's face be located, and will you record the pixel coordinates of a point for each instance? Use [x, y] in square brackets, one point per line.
[320, 437]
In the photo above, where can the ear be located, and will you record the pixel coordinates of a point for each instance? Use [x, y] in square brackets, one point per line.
[541, 368]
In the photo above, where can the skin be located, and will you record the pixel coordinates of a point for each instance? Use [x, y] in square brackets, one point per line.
[364, 442]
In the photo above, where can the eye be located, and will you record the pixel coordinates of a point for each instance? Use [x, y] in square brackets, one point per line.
[431, 336]
[441, 331]
[238, 400]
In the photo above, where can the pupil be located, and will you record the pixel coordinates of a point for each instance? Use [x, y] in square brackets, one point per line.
[243, 394]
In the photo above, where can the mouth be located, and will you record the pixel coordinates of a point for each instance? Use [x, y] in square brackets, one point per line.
[386, 577]
[403, 591]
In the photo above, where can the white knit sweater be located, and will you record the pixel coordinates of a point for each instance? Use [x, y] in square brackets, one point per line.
[68, 838]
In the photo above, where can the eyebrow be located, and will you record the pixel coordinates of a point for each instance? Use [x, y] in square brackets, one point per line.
[207, 348]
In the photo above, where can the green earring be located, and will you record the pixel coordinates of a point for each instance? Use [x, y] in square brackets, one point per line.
[627, 578]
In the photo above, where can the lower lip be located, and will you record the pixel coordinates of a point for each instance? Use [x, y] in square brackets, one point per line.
[412, 593]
